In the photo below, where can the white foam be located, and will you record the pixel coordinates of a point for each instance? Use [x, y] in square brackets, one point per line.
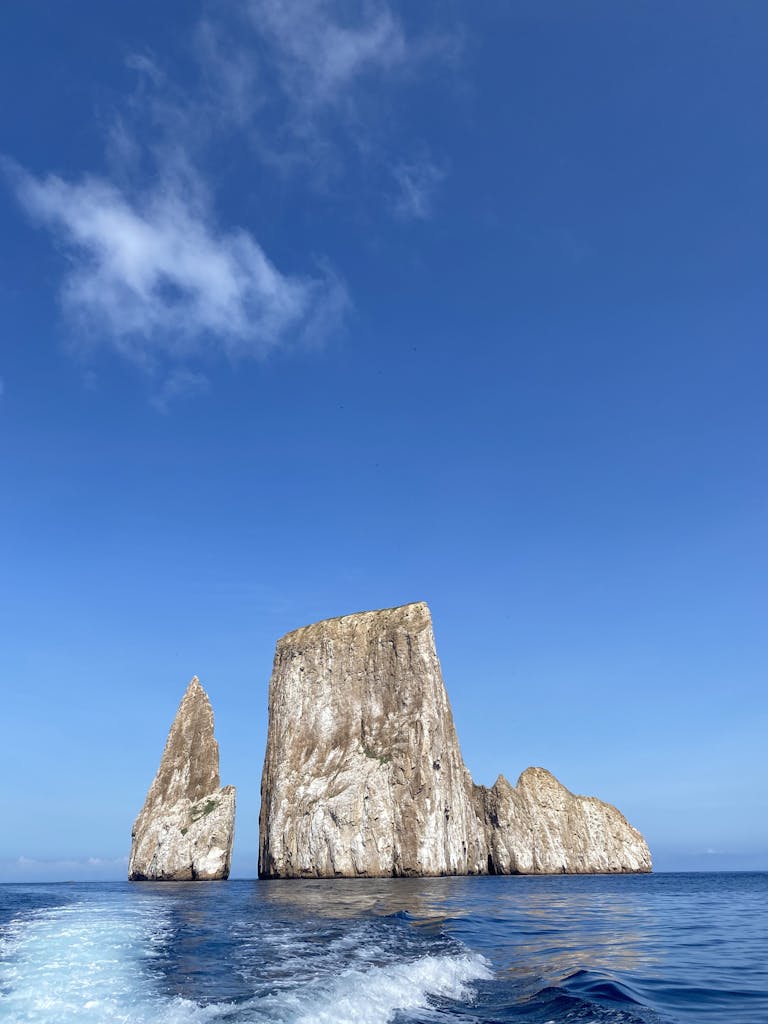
[375, 995]
[88, 964]
[84, 963]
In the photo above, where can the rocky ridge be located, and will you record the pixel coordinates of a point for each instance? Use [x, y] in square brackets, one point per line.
[363, 773]
[186, 826]
[540, 827]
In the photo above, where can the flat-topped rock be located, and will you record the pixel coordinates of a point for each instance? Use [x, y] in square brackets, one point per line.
[363, 773]
[186, 826]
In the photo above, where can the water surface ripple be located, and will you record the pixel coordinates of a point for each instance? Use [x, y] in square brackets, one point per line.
[532, 950]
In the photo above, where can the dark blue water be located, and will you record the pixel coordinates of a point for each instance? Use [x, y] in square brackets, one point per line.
[604, 949]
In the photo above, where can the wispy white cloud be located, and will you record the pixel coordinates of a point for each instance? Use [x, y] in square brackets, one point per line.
[152, 272]
[230, 73]
[319, 55]
[144, 64]
[155, 276]
[23, 861]
[23, 868]
[322, 74]
[417, 181]
[180, 383]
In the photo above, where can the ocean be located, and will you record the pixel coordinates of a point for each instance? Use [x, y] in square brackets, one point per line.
[615, 949]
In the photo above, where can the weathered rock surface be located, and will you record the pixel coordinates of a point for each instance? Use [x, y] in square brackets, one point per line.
[363, 774]
[186, 827]
[540, 827]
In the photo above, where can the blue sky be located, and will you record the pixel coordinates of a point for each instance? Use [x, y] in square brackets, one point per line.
[309, 308]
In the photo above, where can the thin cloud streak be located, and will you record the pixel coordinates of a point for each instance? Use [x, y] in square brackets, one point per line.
[48, 869]
[180, 384]
[417, 181]
[319, 74]
[319, 57]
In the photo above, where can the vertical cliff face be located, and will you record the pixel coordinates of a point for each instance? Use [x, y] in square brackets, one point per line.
[363, 774]
[186, 827]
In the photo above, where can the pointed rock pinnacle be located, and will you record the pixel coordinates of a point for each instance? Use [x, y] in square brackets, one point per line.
[186, 827]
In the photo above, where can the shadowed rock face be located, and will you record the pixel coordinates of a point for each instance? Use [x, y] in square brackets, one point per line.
[186, 827]
[363, 774]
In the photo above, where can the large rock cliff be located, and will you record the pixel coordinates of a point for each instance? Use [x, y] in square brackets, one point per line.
[363, 774]
[185, 828]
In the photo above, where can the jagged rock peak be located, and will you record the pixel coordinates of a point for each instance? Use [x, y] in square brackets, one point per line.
[190, 763]
[540, 827]
[363, 774]
[186, 827]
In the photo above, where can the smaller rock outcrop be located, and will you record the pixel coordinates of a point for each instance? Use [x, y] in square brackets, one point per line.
[185, 829]
[540, 827]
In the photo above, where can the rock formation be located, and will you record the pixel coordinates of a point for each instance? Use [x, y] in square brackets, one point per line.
[363, 774]
[539, 827]
[185, 828]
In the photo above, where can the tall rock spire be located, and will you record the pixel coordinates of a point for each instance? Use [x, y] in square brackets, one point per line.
[363, 774]
[186, 826]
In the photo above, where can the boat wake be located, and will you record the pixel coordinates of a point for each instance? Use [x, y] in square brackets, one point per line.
[89, 962]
